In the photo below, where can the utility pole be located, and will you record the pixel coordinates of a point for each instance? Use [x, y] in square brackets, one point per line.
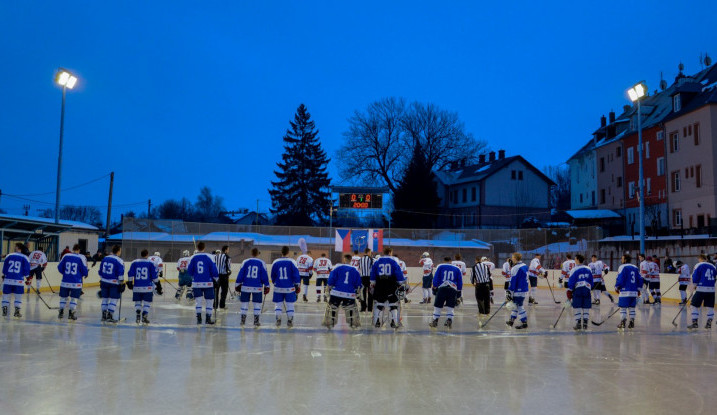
[256, 217]
[109, 204]
[149, 208]
[27, 209]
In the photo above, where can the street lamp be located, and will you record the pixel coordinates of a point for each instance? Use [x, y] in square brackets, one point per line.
[67, 81]
[636, 93]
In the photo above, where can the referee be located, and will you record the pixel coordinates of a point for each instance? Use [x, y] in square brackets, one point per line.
[481, 278]
[365, 264]
[224, 263]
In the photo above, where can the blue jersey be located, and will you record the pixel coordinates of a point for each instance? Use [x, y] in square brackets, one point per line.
[253, 276]
[629, 280]
[345, 280]
[285, 275]
[703, 277]
[112, 270]
[580, 277]
[519, 280]
[386, 268]
[73, 268]
[448, 275]
[144, 273]
[203, 270]
[15, 269]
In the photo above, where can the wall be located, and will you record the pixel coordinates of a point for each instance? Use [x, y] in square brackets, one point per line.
[501, 190]
[70, 238]
[608, 179]
[583, 180]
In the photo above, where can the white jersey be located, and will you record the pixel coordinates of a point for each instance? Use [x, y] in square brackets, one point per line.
[654, 271]
[183, 263]
[461, 266]
[535, 269]
[403, 267]
[645, 270]
[506, 270]
[684, 277]
[305, 263]
[567, 267]
[37, 259]
[597, 268]
[427, 266]
[323, 267]
[158, 264]
[355, 261]
[491, 267]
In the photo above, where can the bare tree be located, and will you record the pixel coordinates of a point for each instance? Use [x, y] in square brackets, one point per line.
[560, 193]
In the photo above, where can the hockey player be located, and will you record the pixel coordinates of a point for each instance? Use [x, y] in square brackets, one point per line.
[684, 280]
[305, 263]
[447, 283]
[599, 268]
[143, 280]
[517, 291]
[14, 271]
[628, 285]
[158, 263]
[535, 270]
[580, 285]
[386, 277]
[344, 284]
[323, 268]
[404, 270]
[703, 278]
[565, 269]
[251, 281]
[355, 259]
[645, 268]
[655, 280]
[184, 279]
[491, 267]
[111, 283]
[204, 274]
[507, 265]
[286, 279]
[38, 263]
[458, 262]
[73, 267]
[426, 264]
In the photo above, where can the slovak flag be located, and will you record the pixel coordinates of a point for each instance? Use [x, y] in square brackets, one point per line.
[375, 240]
[343, 240]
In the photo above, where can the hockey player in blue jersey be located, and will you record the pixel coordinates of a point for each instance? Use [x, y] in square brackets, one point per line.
[344, 285]
[580, 285]
[204, 274]
[703, 278]
[73, 267]
[517, 291]
[286, 280]
[142, 279]
[111, 283]
[447, 283]
[386, 278]
[252, 280]
[628, 285]
[14, 271]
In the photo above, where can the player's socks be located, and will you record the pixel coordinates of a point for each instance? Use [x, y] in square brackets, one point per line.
[290, 310]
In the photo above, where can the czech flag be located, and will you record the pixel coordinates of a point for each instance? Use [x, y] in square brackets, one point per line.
[342, 242]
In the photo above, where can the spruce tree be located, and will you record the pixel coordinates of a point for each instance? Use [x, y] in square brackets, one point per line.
[415, 200]
[301, 196]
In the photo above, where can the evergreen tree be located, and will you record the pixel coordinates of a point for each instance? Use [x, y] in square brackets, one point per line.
[301, 196]
[415, 200]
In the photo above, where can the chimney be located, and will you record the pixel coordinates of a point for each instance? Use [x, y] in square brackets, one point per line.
[603, 121]
[491, 156]
[501, 154]
[626, 108]
[481, 159]
[612, 117]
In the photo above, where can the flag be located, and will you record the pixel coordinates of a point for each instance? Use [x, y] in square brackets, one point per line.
[375, 240]
[342, 242]
[359, 239]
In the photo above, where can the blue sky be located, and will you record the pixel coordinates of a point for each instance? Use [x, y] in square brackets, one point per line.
[174, 95]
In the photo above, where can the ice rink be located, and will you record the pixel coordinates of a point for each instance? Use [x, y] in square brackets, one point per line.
[172, 366]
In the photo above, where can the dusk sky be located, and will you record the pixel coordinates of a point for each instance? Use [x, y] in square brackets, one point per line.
[175, 95]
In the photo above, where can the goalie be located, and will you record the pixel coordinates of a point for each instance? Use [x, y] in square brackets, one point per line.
[344, 284]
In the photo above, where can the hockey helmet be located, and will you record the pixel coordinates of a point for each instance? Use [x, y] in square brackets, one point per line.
[425, 255]
[156, 254]
[185, 252]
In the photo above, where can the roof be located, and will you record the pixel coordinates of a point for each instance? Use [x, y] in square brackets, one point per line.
[706, 83]
[66, 224]
[592, 214]
[480, 172]
[359, 189]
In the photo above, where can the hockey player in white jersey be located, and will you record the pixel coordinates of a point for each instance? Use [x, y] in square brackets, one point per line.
[598, 268]
[654, 285]
[565, 269]
[185, 280]
[684, 279]
[158, 264]
[355, 259]
[323, 268]
[535, 270]
[404, 270]
[426, 264]
[458, 262]
[305, 263]
[38, 263]
[645, 268]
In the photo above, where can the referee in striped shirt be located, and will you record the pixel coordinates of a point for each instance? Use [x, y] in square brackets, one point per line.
[481, 278]
[365, 264]
[224, 263]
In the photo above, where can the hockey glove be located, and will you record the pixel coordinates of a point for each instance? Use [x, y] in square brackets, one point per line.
[605, 271]
[297, 289]
[28, 281]
[434, 290]
[122, 288]
[569, 293]
[267, 289]
[130, 284]
[159, 288]
[237, 288]
[509, 295]
[371, 288]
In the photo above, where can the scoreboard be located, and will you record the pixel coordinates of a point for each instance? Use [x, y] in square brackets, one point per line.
[361, 200]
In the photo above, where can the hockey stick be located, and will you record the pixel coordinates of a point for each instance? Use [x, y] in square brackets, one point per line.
[606, 318]
[565, 305]
[481, 325]
[551, 292]
[43, 300]
[263, 300]
[44, 276]
[667, 290]
[170, 284]
[682, 309]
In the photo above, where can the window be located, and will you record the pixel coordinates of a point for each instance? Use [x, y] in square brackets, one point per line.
[465, 195]
[581, 198]
[602, 196]
[684, 131]
[660, 135]
[700, 221]
[473, 194]
[677, 217]
[698, 175]
[697, 134]
[619, 181]
[660, 166]
[675, 181]
[513, 175]
[647, 149]
[455, 196]
[691, 222]
[674, 142]
[602, 164]
[692, 171]
[618, 152]
[592, 199]
[687, 172]
[630, 155]
[649, 186]
[631, 190]
[676, 103]
[689, 129]
[520, 175]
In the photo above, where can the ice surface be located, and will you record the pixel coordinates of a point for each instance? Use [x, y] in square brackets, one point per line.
[51, 367]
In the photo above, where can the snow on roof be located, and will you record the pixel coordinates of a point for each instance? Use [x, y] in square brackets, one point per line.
[622, 238]
[592, 214]
[73, 223]
[579, 246]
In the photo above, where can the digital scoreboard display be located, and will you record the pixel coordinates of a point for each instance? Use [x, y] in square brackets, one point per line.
[361, 200]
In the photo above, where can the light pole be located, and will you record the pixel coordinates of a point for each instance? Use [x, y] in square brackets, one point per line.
[636, 93]
[67, 81]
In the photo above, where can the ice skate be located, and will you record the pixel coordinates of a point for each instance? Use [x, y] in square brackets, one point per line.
[523, 325]
[208, 320]
[104, 315]
[290, 323]
[577, 326]
[596, 301]
[622, 324]
[694, 325]
[378, 324]
[278, 322]
[531, 300]
[612, 299]
[256, 322]
[708, 325]
[17, 312]
[71, 315]
[324, 297]
[110, 318]
[138, 318]
[306, 300]
[510, 322]
[394, 325]
[199, 318]
[59, 315]
[585, 324]
[631, 324]
[243, 319]
[433, 323]
[448, 323]
[4, 311]
[318, 298]
[145, 319]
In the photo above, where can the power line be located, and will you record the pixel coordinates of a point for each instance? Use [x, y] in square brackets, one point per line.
[63, 190]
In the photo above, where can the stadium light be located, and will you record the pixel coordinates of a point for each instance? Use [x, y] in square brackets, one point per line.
[66, 80]
[636, 93]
